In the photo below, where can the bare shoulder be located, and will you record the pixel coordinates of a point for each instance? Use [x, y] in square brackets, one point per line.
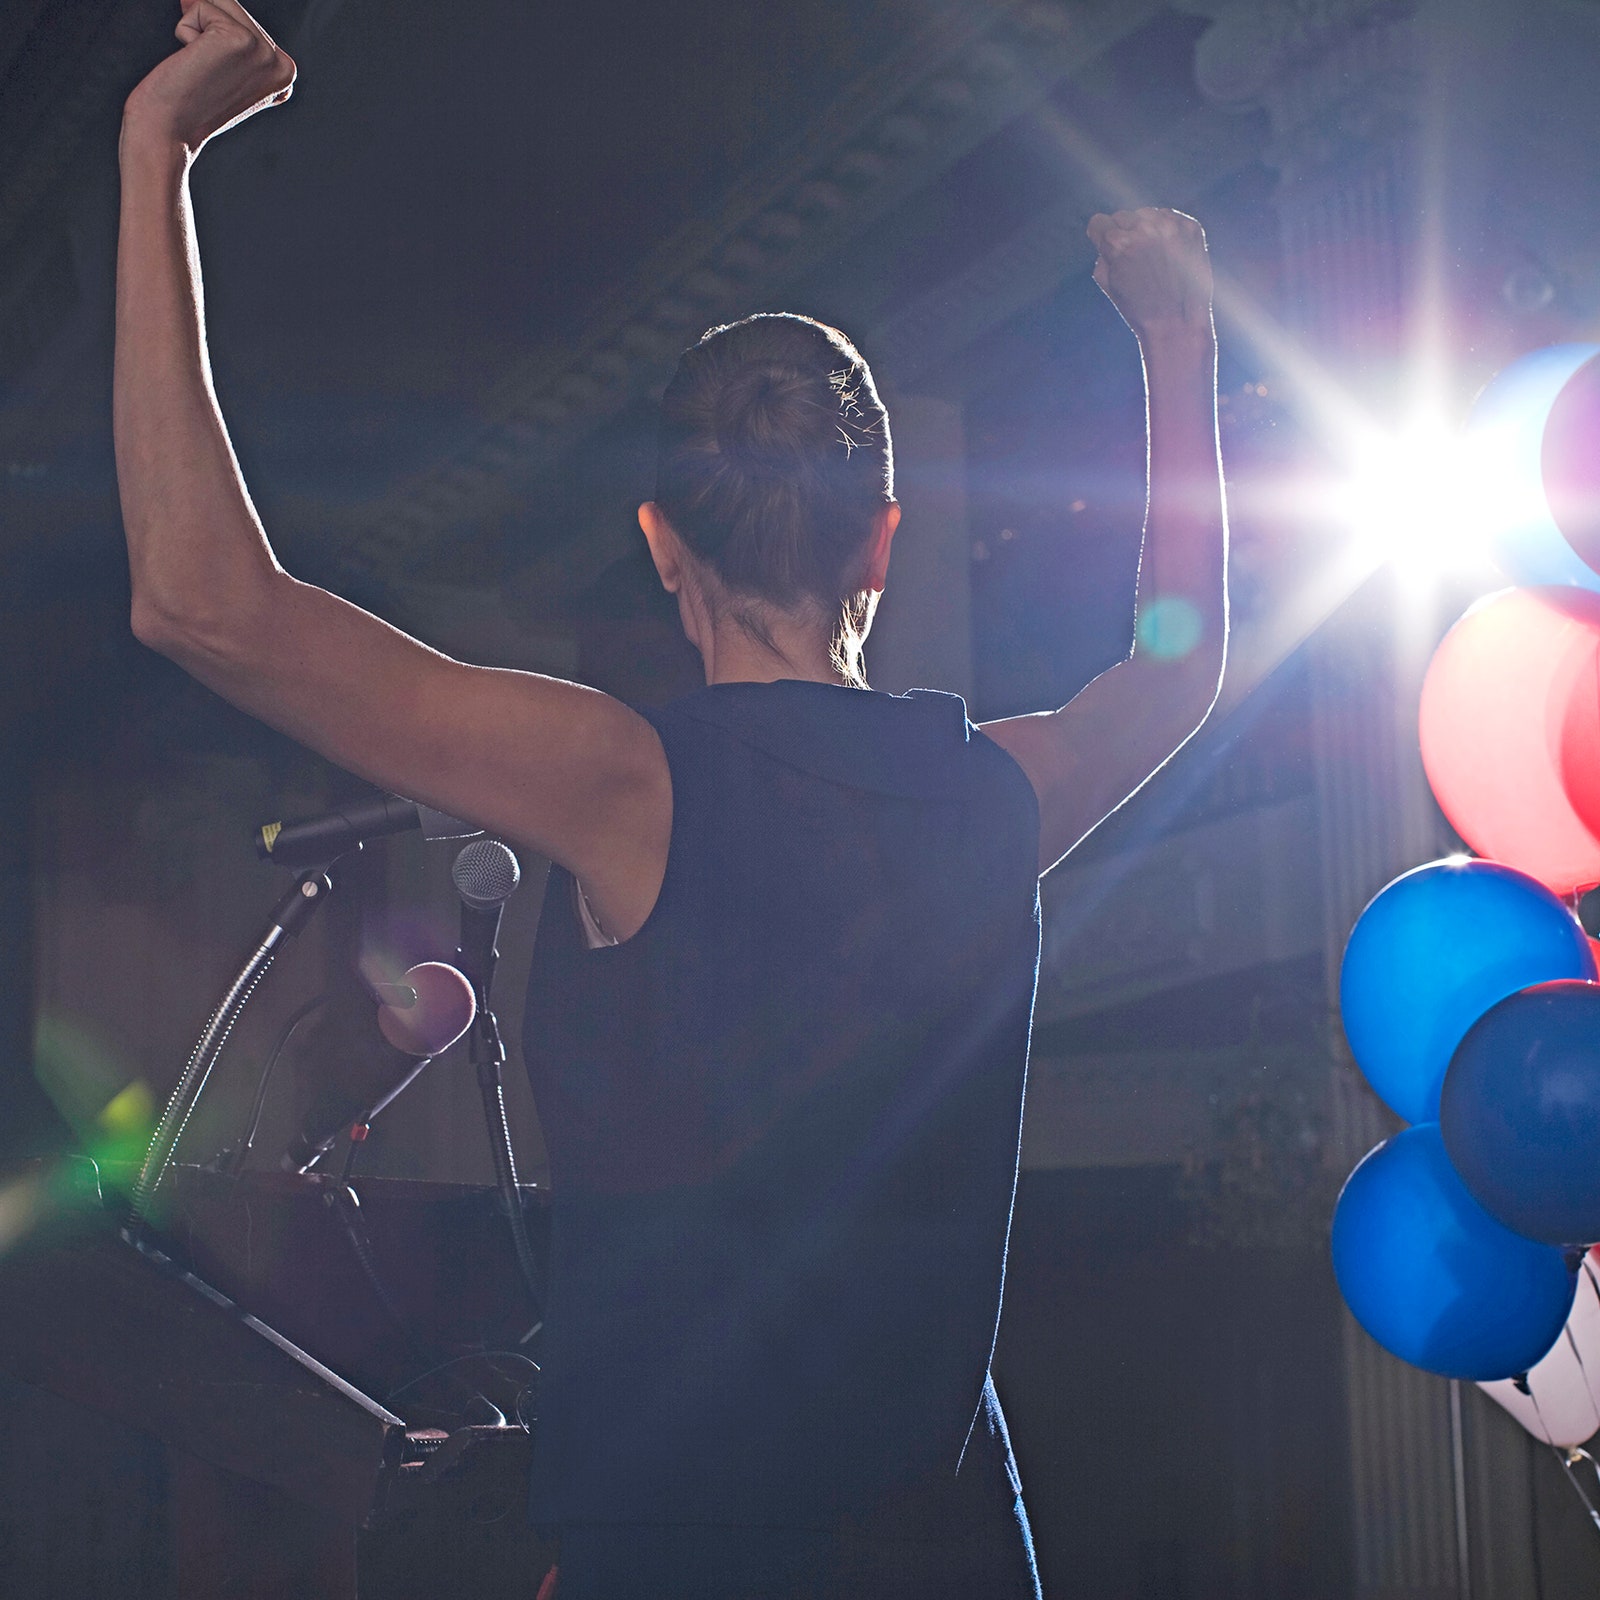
[1092, 754]
[567, 770]
[1048, 762]
[1019, 737]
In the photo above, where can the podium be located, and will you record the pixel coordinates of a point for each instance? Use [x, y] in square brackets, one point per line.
[305, 1457]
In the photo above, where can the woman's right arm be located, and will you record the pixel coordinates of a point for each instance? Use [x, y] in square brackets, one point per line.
[563, 769]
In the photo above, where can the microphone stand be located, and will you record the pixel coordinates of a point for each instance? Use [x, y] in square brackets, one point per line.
[485, 873]
[487, 1053]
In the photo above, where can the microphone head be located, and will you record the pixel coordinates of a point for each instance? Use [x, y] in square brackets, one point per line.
[442, 1010]
[485, 873]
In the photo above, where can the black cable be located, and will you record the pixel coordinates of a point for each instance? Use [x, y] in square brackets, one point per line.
[455, 1361]
[528, 1389]
[242, 1150]
[345, 1204]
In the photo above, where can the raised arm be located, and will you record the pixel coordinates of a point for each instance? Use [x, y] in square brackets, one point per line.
[566, 770]
[1087, 758]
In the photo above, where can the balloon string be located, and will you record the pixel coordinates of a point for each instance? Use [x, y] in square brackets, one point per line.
[1569, 1460]
[1538, 1410]
[1583, 1370]
[1588, 1382]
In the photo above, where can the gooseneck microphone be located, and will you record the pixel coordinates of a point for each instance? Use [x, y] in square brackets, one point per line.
[315, 841]
[422, 1016]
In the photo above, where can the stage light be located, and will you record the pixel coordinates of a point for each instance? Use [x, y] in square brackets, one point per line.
[1417, 498]
[1434, 500]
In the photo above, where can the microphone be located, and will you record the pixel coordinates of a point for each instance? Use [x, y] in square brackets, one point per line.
[485, 874]
[317, 840]
[421, 1017]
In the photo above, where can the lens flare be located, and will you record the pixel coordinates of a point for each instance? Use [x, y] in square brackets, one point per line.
[77, 1070]
[22, 1204]
[112, 1112]
[1169, 627]
[124, 1125]
[1419, 499]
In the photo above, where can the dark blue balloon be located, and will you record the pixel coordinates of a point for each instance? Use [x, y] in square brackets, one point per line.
[1521, 1112]
[1433, 1277]
[1431, 954]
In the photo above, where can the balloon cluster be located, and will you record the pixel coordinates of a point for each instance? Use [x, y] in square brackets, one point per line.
[1469, 991]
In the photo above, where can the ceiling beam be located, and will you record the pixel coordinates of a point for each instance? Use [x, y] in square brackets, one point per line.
[967, 74]
[1177, 168]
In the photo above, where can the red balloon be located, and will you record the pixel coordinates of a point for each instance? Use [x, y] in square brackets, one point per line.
[1570, 459]
[1510, 714]
[1580, 745]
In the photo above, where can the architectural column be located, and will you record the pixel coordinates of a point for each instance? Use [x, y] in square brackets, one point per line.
[1343, 85]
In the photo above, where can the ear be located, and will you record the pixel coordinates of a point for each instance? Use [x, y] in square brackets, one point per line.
[876, 572]
[665, 549]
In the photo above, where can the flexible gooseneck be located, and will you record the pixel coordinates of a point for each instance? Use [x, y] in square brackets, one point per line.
[289, 916]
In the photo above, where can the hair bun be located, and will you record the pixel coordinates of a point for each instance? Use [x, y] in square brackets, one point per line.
[773, 460]
[766, 419]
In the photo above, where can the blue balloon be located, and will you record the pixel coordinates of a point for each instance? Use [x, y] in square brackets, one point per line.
[1506, 436]
[1520, 1112]
[1431, 954]
[1433, 1277]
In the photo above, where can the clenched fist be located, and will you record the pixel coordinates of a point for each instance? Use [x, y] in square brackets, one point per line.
[227, 69]
[1154, 268]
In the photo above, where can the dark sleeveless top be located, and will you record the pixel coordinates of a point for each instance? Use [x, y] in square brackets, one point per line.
[783, 1123]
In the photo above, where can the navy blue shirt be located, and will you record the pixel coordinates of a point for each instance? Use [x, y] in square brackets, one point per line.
[783, 1122]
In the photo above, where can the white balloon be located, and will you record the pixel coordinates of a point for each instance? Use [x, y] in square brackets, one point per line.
[1562, 1406]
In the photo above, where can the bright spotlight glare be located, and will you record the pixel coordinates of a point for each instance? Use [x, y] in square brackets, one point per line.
[1417, 498]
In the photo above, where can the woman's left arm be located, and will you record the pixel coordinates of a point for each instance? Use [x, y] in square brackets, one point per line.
[1085, 759]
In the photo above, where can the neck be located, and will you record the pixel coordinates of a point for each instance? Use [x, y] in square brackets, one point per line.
[732, 655]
